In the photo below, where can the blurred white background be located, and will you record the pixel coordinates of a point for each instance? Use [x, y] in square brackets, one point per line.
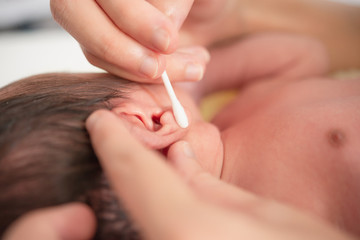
[31, 42]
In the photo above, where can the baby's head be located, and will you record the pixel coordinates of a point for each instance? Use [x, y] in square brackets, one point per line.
[46, 158]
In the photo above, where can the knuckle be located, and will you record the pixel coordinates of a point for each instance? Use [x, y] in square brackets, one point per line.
[91, 58]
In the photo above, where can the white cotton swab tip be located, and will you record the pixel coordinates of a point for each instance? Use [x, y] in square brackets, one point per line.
[180, 114]
[178, 110]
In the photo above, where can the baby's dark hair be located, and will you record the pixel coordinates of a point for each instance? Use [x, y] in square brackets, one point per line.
[46, 158]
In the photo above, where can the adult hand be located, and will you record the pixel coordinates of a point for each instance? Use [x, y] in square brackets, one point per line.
[71, 222]
[129, 38]
[194, 206]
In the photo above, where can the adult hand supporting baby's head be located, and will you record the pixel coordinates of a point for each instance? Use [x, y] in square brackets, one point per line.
[168, 205]
[184, 201]
[133, 39]
[72, 221]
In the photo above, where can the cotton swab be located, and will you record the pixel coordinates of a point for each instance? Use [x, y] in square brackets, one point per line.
[179, 112]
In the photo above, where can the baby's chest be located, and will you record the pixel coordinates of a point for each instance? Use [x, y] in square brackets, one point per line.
[322, 129]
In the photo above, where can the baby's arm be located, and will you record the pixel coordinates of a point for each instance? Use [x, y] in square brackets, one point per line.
[264, 57]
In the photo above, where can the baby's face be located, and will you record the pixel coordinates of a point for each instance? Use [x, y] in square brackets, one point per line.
[147, 112]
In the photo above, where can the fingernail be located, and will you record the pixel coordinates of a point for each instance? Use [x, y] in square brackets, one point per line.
[194, 72]
[149, 66]
[207, 56]
[161, 39]
[188, 151]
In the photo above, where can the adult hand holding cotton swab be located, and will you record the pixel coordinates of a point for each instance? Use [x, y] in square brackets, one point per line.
[178, 110]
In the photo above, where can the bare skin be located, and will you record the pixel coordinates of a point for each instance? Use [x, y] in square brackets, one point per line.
[336, 25]
[299, 140]
[140, 39]
[290, 134]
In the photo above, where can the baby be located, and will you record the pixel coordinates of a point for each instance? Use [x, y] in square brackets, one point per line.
[290, 134]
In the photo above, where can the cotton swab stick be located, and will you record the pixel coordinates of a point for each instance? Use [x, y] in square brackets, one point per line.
[179, 112]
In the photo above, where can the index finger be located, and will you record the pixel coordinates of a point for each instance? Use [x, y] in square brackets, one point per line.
[147, 186]
[104, 41]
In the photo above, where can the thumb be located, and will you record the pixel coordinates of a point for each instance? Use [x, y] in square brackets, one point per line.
[183, 159]
[72, 221]
[207, 187]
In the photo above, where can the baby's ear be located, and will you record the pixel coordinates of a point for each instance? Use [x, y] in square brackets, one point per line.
[154, 126]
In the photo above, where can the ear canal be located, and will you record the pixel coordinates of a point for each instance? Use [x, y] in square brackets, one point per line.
[156, 123]
[153, 129]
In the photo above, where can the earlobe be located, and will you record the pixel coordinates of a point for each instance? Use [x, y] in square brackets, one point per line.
[154, 127]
